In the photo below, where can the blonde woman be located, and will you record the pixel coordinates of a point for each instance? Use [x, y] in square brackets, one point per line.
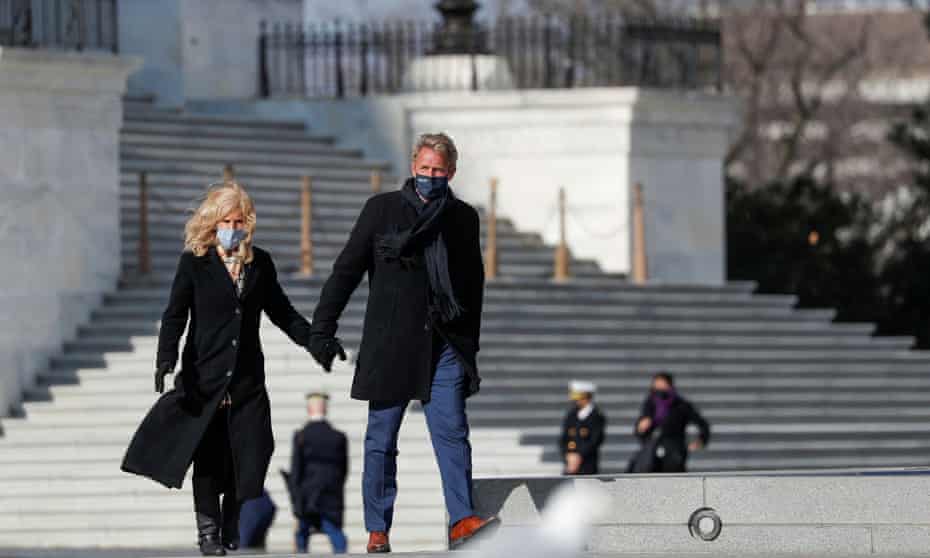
[217, 416]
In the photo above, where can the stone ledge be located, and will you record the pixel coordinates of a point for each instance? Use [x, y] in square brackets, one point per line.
[52, 71]
[825, 513]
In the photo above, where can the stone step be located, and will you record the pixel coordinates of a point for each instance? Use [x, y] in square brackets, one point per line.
[557, 310]
[191, 186]
[531, 293]
[484, 418]
[105, 454]
[117, 381]
[297, 145]
[303, 163]
[225, 131]
[324, 267]
[491, 327]
[158, 116]
[181, 189]
[119, 345]
[246, 174]
[537, 355]
[166, 255]
[543, 287]
[720, 449]
[253, 173]
[558, 371]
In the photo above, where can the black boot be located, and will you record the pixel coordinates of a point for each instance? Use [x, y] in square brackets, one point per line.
[231, 509]
[208, 536]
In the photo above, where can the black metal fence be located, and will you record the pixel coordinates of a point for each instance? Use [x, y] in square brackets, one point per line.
[60, 24]
[335, 60]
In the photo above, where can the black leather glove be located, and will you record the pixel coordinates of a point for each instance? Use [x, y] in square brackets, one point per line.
[324, 350]
[163, 370]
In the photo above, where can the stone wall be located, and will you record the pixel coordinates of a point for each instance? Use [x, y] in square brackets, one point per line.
[198, 49]
[596, 143]
[59, 201]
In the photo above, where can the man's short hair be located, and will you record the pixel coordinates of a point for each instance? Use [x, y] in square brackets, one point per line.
[440, 143]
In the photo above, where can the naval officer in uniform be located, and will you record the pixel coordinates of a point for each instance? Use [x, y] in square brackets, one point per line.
[583, 431]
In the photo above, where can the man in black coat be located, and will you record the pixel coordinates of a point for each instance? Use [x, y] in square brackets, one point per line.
[420, 249]
[319, 466]
[662, 429]
[583, 432]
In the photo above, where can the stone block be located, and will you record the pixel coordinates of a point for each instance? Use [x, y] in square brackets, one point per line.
[652, 500]
[831, 500]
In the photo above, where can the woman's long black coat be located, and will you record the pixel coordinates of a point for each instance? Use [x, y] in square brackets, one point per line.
[396, 358]
[222, 354]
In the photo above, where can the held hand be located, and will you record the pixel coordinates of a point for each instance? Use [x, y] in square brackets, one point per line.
[572, 462]
[325, 349]
[160, 374]
[644, 425]
[696, 445]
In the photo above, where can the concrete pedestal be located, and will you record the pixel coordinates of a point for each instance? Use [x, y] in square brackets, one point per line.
[60, 115]
[458, 72]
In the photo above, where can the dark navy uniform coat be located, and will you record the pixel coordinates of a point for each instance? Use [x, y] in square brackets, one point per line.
[585, 438]
[319, 466]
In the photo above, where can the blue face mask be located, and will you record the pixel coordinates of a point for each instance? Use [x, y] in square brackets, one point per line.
[230, 238]
[432, 187]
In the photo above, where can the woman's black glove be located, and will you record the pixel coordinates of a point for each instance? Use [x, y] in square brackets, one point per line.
[324, 350]
[160, 374]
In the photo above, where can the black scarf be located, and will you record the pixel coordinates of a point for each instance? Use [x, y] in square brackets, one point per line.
[425, 232]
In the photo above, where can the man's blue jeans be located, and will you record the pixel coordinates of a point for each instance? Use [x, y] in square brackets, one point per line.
[448, 428]
[336, 537]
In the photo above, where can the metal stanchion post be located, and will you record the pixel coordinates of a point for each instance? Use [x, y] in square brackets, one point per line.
[640, 262]
[490, 257]
[306, 222]
[561, 251]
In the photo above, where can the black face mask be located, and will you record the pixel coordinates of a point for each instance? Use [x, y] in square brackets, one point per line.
[662, 394]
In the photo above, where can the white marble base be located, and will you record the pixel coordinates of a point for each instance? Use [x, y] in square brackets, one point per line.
[458, 72]
[60, 115]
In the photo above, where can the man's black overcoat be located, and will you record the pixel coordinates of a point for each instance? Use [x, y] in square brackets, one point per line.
[319, 466]
[222, 355]
[395, 361]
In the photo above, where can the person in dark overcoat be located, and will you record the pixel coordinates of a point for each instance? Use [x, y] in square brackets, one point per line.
[662, 430]
[217, 416]
[319, 467]
[583, 431]
[421, 250]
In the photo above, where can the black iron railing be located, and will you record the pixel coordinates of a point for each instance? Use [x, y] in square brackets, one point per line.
[335, 60]
[60, 24]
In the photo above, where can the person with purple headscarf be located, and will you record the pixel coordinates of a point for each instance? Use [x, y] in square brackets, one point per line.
[662, 429]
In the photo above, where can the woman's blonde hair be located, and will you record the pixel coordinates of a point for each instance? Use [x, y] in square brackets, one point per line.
[219, 201]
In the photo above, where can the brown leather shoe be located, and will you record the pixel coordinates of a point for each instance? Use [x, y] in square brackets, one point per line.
[378, 542]
[467, 528]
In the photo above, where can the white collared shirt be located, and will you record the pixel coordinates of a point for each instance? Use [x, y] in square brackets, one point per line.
[586, 411]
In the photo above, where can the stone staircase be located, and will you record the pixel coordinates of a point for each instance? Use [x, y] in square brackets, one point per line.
[782, 387]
